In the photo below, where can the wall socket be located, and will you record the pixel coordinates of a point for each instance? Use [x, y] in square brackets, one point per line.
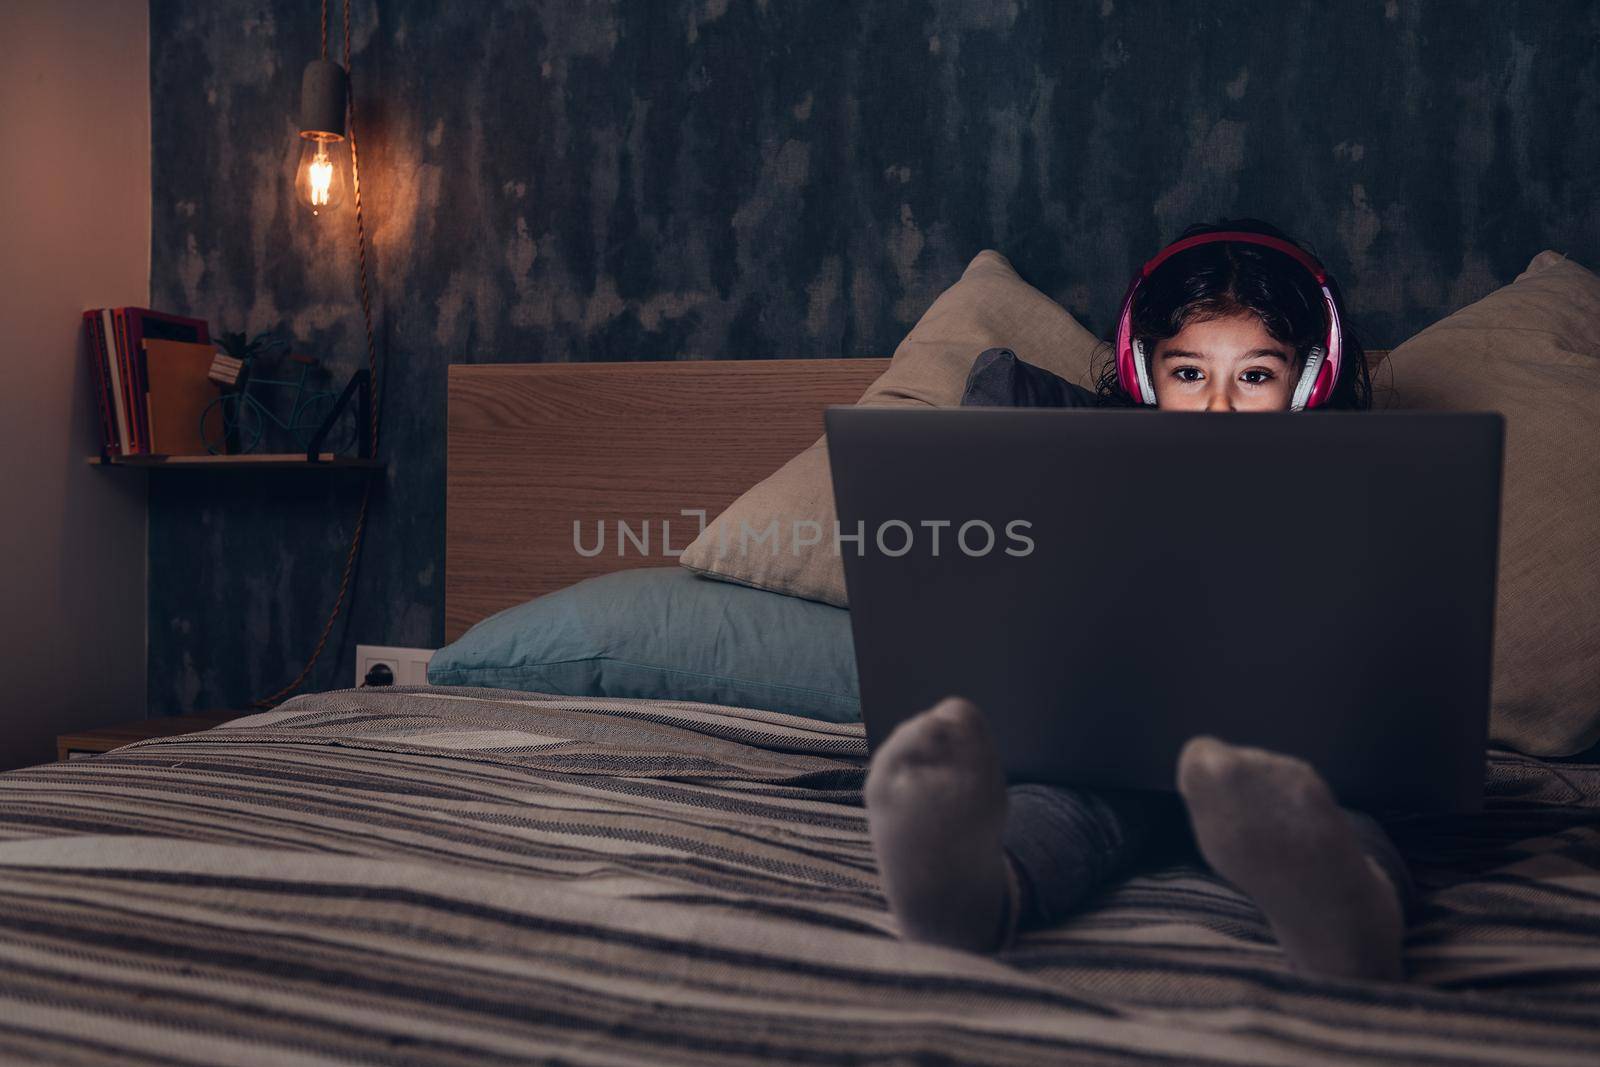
[409, 665]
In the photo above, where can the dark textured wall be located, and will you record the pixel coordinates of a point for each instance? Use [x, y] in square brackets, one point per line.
[565, 180]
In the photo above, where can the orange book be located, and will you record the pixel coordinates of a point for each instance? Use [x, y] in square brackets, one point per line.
[179, 391]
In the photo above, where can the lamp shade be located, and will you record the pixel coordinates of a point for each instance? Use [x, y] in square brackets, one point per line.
[322, 101]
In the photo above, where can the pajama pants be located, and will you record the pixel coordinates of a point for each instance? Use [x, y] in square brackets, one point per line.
[1065, 845]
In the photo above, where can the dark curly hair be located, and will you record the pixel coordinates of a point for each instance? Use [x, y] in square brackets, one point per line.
[1227, 278]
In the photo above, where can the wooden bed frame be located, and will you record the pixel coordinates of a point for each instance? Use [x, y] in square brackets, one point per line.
[534, 447]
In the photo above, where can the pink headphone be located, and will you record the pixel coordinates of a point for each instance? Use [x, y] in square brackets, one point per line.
[1322, 363]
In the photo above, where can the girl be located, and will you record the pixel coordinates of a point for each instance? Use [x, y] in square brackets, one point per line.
[1222, 323]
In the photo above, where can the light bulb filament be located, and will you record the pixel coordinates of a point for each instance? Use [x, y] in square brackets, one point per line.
[320, 175]
[319, 179]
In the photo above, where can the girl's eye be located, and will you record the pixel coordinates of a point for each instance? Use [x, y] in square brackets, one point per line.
[1257, 377]
[1187, 374]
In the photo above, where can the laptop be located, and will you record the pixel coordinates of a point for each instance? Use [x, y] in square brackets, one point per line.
[1106, 585]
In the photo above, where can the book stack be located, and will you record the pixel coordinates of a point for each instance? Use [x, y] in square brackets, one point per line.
[116, 341]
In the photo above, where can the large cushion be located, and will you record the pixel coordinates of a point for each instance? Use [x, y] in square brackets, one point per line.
[662, 633]
[990, 306]
[1532, 352]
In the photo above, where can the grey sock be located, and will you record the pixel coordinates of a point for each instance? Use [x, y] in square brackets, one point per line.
[936, 807]
[1270, 825]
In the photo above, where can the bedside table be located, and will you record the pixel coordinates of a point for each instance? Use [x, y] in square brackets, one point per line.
[104, 739]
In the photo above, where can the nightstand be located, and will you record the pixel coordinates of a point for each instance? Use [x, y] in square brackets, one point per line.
[93, 742]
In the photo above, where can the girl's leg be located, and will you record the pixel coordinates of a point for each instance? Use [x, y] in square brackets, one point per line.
[1066, 845]
[963, 867]
[1332, 885]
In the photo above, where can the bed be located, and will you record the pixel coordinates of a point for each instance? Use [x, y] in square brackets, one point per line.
[461, 875]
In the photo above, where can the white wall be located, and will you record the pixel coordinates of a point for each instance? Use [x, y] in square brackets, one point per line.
[74, 233]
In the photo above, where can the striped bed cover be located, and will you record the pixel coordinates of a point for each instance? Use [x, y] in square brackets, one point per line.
[473, 876]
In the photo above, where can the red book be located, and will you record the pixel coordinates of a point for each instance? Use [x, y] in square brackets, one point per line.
[124, 376]
[94, 345]
[133, 325]
[108, 345]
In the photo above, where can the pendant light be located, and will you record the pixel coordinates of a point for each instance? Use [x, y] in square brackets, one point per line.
[324, 169]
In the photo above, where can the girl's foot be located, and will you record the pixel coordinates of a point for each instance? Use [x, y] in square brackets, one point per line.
[936, 806]
[1270, 825]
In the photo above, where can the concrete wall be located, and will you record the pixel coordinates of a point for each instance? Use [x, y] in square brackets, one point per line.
[74, 234]
[647, 179]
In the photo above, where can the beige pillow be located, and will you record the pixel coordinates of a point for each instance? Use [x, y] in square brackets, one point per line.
[1532, 352]
[991, 306]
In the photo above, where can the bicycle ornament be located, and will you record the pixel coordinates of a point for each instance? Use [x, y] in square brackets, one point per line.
[234, 423]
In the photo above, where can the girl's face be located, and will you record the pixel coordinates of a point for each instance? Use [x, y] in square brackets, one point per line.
[1230, 364]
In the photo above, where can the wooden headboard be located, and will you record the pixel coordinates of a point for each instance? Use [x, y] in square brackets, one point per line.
[535, 446]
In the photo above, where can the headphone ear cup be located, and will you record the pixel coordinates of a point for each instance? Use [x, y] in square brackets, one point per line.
[1308, 379]
[1141, 367]
[1322, 390]
[1133, 375]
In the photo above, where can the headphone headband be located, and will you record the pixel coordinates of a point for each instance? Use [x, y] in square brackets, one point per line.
[1322, 365]
[1288, 248]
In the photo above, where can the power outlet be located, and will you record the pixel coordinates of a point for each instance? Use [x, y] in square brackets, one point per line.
[409, 665]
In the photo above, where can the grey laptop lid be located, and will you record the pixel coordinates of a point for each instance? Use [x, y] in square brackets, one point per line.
[1108, 584]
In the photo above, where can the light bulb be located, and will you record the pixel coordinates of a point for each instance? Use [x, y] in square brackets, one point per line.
[319, 182]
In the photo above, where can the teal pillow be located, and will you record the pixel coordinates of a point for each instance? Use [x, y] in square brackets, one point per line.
[665, 633]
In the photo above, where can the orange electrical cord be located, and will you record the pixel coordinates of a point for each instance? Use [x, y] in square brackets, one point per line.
[372, 368]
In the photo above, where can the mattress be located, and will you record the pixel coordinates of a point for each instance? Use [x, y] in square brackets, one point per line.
[475, 876]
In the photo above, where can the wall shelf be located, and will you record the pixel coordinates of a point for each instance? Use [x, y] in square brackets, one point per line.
[249, 461]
